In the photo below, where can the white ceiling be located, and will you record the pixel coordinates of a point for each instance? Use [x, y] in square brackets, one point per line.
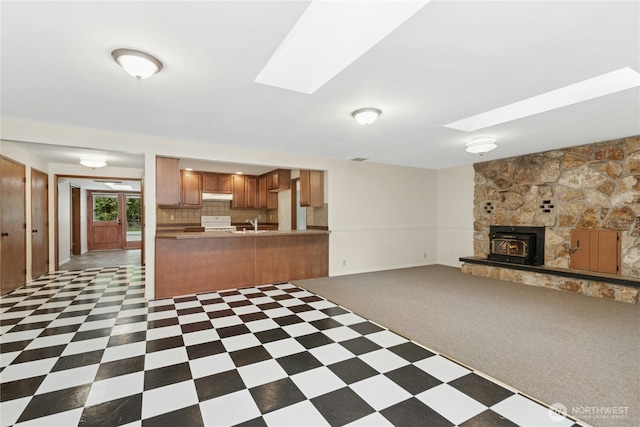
[451, 60]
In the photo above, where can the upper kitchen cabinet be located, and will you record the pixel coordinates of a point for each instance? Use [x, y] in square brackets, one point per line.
[311, 188]
[279, 179]
[251, 185]
[262, 192]
[167, 181]
[245, 192]
[266, 199]
[217, 183]
[191, 189]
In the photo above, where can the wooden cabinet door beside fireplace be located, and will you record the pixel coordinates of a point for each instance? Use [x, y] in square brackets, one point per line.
[595, 250]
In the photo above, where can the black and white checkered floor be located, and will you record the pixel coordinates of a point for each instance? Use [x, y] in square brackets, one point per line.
[85, 348]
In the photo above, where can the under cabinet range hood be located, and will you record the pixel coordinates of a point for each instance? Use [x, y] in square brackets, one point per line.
[216, 196]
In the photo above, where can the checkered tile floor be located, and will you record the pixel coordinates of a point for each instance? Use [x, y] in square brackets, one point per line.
[85, 348]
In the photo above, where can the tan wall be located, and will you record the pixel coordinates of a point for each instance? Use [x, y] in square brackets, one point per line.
[212, 207]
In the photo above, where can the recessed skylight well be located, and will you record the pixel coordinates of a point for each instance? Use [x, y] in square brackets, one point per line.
[605, 84]
[328, 37]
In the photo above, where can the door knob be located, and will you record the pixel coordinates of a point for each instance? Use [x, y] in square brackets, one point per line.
[5, 234]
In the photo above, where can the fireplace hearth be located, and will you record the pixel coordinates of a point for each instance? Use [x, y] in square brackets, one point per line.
[516, 244]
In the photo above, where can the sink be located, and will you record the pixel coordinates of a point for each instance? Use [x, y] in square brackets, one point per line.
[250, 231]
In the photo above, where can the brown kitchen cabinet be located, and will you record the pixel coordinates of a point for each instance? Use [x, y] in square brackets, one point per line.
[251, 186]
[311, 188]
[191, 183]
[279, 179]
[216, 183]
[266, 199]
[262, 192]
[245, 191]
[167, 181]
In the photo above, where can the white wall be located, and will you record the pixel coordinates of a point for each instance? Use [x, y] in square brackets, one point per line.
[455, 214]
[64, 222]
[380, 216]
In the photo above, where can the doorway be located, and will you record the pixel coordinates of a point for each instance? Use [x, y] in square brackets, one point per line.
[93, 220]
[113, 220]
[39, 223]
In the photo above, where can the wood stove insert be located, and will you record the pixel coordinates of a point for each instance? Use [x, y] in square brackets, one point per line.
[516, 244]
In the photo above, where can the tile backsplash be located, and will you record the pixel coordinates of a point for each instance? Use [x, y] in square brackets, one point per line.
[212, 207]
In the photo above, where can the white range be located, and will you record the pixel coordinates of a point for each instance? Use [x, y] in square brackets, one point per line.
[216, 223]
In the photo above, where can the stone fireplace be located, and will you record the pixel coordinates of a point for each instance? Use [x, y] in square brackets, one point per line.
[591, 187]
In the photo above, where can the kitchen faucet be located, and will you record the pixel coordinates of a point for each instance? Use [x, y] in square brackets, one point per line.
[254, 223]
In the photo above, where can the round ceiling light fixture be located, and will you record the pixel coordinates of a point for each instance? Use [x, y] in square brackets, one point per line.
[366, 116]
[93, 161]
[137, 63]
[481, 145]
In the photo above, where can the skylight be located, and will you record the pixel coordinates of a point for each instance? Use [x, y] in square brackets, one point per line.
[329, 36]
[605, 84]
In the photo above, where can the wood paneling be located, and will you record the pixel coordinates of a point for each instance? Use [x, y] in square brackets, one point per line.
[39, 223]
[199, 265]
[284, 258]
[186, 266]
[13, 254]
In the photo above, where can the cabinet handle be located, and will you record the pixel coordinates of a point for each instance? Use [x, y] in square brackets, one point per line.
[5, 234]
[34, 230]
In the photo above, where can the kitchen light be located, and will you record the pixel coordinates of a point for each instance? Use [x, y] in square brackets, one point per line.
[605, 84]
[481, 145]
[93, 161]
[366, 116]
[140, 65]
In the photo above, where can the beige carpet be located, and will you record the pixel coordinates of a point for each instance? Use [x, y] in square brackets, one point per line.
[558, 347]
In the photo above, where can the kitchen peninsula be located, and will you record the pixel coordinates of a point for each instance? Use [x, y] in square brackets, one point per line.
[193, 262]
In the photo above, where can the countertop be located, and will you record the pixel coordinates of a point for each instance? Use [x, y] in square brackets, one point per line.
[228, 234]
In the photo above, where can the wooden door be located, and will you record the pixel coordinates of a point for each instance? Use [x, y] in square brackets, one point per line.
[595, 250]
[13, 254]
[104, 220]
[39, 223]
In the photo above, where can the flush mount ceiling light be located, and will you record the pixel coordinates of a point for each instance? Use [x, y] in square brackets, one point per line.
[366, 116]
[138, 64]
[606, 84]
[93, 161]
[328, 37]
[481, 145]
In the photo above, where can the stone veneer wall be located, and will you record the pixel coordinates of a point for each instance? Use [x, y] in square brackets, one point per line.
[594, 186]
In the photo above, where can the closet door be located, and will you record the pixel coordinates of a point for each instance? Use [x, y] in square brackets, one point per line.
[13, 255]
[39, 223]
